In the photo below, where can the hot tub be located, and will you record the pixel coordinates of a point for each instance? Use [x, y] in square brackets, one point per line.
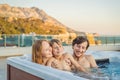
[110, 69]
[21, 68]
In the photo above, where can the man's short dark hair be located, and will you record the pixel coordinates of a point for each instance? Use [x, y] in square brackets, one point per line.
[79, 40]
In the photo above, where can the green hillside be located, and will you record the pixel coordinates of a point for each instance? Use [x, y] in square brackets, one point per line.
[12, 25]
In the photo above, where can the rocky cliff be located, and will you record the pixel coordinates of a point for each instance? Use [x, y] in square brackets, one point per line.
[29, 18]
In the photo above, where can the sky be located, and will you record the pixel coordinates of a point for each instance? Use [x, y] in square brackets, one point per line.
[92, 16]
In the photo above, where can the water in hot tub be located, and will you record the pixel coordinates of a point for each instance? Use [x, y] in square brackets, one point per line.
[111, 70]
[106, 71]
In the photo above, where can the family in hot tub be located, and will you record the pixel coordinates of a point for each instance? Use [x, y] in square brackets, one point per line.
[51, 53]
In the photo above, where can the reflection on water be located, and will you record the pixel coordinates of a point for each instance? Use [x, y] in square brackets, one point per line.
[108, 72]
[95, 74]
[112, 70]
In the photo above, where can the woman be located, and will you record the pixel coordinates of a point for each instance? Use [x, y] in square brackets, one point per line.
[42, 54]
[65, 59]
[80, 44]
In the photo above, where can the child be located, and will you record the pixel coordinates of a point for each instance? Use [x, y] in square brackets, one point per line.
[80, 44]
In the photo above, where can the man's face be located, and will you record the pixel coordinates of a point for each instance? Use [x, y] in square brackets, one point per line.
[79, 49]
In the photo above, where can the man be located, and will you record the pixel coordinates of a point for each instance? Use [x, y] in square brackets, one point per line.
[80, 44]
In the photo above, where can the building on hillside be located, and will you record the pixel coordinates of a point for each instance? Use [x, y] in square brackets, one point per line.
[91, 39]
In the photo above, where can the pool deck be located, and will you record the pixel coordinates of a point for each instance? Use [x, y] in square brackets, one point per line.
[8, 52]
[3, 69]
[14, 51]
[105, 47]
[17, 51]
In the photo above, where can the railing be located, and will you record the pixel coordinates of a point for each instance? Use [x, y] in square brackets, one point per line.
[108, 40]
[23, 40]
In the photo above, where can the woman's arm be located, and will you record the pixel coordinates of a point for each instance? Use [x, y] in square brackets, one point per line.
[49, 62]
[54, 63]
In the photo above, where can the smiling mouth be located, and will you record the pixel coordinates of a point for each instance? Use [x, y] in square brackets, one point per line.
[58, 52]
[78, 51]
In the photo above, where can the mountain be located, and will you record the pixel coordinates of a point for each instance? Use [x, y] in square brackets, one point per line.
[26, 20]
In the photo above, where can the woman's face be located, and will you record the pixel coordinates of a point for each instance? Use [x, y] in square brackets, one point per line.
[79, 49]
[46, 49]
[57, 49]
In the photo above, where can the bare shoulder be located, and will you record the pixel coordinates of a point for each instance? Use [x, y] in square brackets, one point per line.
[67, 54]
[89, 57]
[92, 61]
[51, 60]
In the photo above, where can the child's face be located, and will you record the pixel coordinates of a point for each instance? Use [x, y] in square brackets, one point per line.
[46, 49]
[79, 49]
[57, 49]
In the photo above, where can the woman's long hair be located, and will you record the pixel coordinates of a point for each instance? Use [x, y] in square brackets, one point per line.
[36, 51]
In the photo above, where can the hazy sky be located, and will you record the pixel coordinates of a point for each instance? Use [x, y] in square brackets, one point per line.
[100, 16]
